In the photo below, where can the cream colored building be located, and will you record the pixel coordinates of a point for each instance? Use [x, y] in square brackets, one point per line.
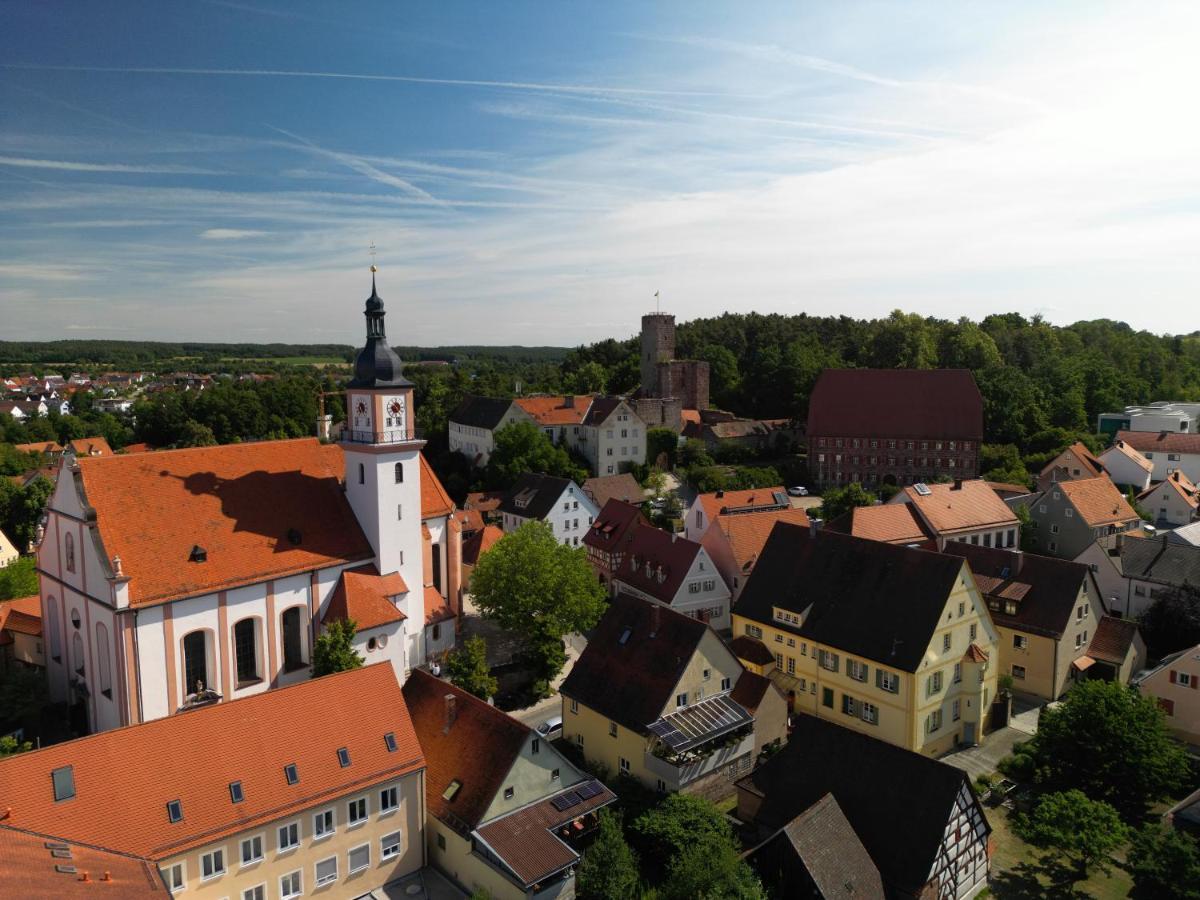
[890, 641]
[659, 697]
[312, 789]
[506, 810]
[8, 551]
[1175, 684]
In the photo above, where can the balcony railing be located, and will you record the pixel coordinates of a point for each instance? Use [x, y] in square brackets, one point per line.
[685, 768]
[393, 436]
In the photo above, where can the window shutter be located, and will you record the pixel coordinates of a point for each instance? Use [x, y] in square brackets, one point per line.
[1172, 676]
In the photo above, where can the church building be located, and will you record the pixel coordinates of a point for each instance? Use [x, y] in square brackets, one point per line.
[180, 578]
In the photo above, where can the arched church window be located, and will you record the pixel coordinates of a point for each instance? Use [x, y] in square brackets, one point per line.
[69, 550]
[293, 639]
[103, 665]
[399, 473]
[362, 474]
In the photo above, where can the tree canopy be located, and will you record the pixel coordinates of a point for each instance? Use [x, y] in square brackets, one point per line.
[333, 650]
[609, 869]
[531, 583]
[1082, 831]
[467, 668]
[1164, 862]
[840, 500]
[1172, 621]
[1112, 743]
[523, 447]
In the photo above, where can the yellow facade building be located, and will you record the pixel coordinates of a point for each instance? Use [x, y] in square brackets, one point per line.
[312, 789]
[659, 697]
[891, 641]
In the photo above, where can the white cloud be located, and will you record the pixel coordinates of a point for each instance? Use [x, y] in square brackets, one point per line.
[69, 166]
[229, 234]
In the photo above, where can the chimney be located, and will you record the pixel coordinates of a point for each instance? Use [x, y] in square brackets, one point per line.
[569, 401]
[1018, 560]
[451, 712]
[107, 876]
[814, 525]
[85, 877]
[655, 618]
[720, 494]
[957, 485]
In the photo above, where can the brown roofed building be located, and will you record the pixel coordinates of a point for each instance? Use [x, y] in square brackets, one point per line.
[891, 523]
[609, 537]
[21, 633]
[653, 696]
[93, 446]
[506, 808]
[1173, 502]
[1117, 650]
[1045, 611]
[1073, 463]
[817, 856]
[706, 507]
[967, 511]
[1167, 450]
[894, 426]
[324, 778]
[623, 487]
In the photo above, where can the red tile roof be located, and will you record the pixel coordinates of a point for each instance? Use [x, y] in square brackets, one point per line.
[485, 501]
[555, 410]
[435, 502]
[124, 778]
[1088, 463]
[362, 594]
[975, 654]
[39, 447]
[892, 523]
[750, 690]
[136, 448]
[717, 501]
[436, 609]
[238, 502]
[476, 751]
[962, 506]
[479, 543]
[896, 403]
[26, 860]
[1097, 500]
[1160, 442]
[93, 446]
[614, 487]
[23, 615]
[615, 521]
[471, 520]
[747, 533]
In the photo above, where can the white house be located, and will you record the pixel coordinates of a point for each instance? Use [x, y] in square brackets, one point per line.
[611, 436]
[559, 502]
[184, 577]
[1127, 467]
[664, 567]
[1167, 450]
[1131, 572]
[1173, 501]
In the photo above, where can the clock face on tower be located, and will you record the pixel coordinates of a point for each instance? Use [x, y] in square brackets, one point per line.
[361, 408]
[396, 408]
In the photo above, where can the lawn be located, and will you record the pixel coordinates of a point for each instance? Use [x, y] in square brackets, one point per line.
[1017, 873]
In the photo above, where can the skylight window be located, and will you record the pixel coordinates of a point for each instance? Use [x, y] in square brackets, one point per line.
[235, 792]
[452, 790]
[64, 783]
[290, 773]
[343, 757]
[175, 810]
[389, 741]
[624, 636]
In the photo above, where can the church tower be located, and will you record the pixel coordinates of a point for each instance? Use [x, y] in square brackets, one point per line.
[382, 455]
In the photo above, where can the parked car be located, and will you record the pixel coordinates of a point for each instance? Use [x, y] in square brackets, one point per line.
[798, 491]
[551, 728]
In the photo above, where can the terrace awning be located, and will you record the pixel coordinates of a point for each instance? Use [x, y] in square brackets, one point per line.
[694, 725]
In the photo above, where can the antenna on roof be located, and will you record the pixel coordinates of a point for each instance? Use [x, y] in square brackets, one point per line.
[657, 304]
[371, 251]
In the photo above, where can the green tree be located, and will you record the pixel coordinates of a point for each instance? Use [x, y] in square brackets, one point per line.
[1143, 513]
[523, 447]
[10, 745]
[1081, 831]
[1028, 528]
[21, 509]
[467, 668]
[1172, 621]
[333, 650]
[1113, 744]
[19, 579]
[609, 869]
[23, 693]
[693, 453]
[196, 434]
[529, 582]
[687, 838]
[710, 871]
[837, 501]
[1003, 463]
[1164, 862]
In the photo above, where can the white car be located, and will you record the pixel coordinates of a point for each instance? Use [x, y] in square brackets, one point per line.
[798, 491]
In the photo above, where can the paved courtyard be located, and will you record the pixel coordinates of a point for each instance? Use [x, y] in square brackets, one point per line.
[982, 760]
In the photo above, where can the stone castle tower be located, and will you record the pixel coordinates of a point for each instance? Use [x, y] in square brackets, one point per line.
[665, 377]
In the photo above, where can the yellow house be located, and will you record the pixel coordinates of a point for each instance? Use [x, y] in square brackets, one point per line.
[21, 633]
[1046, 612]
[657, 696]
[891, 641]
[313, 789]
[506, 810]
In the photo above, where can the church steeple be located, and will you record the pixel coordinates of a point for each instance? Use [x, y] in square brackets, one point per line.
[377, 364]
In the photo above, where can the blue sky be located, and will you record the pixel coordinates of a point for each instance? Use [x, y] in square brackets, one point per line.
[533, 173]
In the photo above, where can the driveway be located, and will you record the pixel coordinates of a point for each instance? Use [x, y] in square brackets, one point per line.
[982, 760]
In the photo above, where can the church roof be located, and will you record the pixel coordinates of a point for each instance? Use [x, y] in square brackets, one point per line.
[256, 511]
[363, 596]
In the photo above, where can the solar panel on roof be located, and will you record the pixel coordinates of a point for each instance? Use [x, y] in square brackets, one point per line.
[566, 801]
[922, 488]
[589, 790]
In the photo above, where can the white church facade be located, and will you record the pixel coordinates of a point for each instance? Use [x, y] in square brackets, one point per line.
[184, 577]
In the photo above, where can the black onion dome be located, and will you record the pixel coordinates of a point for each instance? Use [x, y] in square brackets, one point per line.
[377, 364]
